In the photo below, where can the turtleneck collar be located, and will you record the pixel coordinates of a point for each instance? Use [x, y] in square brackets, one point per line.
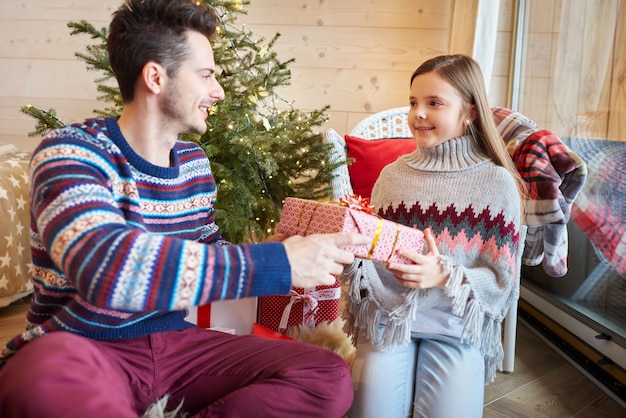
[455, 154]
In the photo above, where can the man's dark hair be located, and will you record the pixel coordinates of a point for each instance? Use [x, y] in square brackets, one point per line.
[153, 30]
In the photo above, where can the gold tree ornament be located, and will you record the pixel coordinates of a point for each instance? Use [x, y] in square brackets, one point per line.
[237, 5]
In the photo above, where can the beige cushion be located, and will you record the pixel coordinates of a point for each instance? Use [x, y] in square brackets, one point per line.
[15, 258]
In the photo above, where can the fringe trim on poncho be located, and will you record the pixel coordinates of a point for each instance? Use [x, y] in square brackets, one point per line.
[365, 313]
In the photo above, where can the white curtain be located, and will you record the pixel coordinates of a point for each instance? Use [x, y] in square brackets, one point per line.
[486, 36]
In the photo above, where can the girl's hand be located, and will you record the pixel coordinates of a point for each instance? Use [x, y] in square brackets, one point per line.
[426, 272]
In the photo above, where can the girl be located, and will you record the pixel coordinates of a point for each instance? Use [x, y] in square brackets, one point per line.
[430, 331]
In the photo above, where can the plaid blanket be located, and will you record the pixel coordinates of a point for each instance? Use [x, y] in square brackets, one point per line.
[571, 178]
[512, 126]
[555, 176]
[600, 209]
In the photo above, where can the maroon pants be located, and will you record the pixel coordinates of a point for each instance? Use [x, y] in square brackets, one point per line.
[212, 373]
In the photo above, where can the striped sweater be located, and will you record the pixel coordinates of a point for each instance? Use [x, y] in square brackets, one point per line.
[122, 247]
[473, 208]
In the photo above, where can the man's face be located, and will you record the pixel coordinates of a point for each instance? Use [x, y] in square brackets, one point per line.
[194, 89]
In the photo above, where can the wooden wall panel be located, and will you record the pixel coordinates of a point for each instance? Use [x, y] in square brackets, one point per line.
[61, 10]
[464, 21]
[354, 55]
[37, 63]
[617, 109]
[372, 14]
[384, 49]
[571, 67]
[19, 39]
[32, 79]
[349, 90]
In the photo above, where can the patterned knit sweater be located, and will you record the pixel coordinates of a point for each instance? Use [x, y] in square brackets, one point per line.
[473, 208]
[122, 247]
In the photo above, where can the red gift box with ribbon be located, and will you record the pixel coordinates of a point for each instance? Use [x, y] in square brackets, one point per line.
[350, 214]
[306, 307]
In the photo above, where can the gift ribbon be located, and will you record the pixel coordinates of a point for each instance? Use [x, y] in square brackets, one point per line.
[310, 218]
[311, 298]
[395, 241]
[377, 233]
[357, 202]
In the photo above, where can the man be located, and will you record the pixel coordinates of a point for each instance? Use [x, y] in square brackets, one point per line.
[124, 240]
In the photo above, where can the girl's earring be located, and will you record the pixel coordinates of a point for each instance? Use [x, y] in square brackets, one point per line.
[469, 129]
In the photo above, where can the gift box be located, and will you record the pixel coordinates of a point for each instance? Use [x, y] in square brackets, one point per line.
[306, 307]
[261, 331]
[351, 214]
[234, 316]
[204, 316]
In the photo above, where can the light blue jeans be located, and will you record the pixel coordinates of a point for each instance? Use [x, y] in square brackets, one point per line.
[434, 376]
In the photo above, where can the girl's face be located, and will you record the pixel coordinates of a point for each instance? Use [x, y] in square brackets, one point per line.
[437, 112]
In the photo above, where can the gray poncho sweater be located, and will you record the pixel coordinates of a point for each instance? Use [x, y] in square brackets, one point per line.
[473, 208]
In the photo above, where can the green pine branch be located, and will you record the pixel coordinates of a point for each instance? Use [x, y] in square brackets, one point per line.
[46, 121]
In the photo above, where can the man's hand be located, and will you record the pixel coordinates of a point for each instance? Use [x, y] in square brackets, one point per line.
[314, 259]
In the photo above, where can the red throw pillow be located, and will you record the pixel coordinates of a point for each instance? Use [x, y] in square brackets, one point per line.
[370, 156]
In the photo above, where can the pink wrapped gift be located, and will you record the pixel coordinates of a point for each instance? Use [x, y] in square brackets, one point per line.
[352, 214]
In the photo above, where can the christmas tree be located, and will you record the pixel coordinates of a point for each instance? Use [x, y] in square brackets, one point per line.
[262, 149]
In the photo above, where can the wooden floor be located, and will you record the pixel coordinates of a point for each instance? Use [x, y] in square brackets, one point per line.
[543, 384]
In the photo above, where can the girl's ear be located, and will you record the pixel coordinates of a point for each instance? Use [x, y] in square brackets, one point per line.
[472, 112]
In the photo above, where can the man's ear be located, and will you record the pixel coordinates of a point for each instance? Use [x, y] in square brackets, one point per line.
[153, 76]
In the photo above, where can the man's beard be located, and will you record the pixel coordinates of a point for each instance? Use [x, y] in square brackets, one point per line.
[174, 111]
